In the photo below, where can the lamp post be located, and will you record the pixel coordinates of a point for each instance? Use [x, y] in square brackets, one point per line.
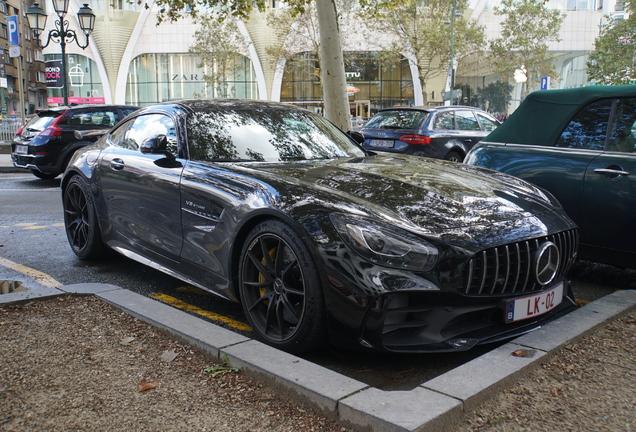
[61, 34]
[452, 50]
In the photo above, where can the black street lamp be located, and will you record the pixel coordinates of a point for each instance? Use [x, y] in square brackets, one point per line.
[61, 34]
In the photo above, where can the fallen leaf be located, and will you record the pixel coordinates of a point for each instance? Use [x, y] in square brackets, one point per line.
[127, 341]
[147, 385]
[521, 353]
[570, 368]
[168, 356]
[555, 392]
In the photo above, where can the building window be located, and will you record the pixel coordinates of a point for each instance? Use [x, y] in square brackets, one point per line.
[39, 56]
[371, 82]
[3, 7]
[154, 78]
[5, 34]
[40, 77]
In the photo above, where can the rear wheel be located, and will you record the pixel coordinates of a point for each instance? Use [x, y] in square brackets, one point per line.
[454, 157]
[80, 221]
[280, 289]
[43, 176]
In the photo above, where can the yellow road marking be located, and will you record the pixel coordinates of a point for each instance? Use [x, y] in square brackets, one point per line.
[25, 224]
[190, 308]
[41, 278]
[34, 227]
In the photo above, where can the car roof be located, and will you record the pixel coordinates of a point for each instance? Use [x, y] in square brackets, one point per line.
[543, 114]
[429, 108]
[61, 109]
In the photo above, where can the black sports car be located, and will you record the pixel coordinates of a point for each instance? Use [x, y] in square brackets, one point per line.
[320, 240]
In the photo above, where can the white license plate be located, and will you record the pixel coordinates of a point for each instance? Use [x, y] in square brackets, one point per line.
[20, 149]
[533, 305]
[382, 143]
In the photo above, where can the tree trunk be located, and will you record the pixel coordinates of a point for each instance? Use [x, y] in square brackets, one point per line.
[334, 83]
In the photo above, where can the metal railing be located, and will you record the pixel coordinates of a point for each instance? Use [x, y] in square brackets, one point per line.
[8, 128]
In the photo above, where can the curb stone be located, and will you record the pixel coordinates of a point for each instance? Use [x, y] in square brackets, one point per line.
[439, 404]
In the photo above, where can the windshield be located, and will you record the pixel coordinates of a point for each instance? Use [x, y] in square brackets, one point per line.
[270, 134]
[397, 119]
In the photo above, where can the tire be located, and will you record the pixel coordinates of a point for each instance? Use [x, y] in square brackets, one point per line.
[80, 221]
[43, 176]
[453, 156]
[280, 289]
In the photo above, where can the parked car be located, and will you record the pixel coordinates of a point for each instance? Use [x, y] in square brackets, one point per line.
[443, 132]
[579, 145]
[274, 207]
[46, 143]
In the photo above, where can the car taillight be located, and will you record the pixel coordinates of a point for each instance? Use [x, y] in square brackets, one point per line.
[416, 139]
[20, 130]
[51, 131]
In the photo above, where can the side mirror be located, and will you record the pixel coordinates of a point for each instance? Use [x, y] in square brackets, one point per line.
[356, 136]
[155, 145]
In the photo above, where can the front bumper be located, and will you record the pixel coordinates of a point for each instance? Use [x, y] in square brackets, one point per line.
[421, 322]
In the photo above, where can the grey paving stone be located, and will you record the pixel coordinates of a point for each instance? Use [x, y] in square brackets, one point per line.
[392, 411]
[483, 377]
[202, 334]
[292, 375]
[578, 323]
[89, 288]
[30, 295]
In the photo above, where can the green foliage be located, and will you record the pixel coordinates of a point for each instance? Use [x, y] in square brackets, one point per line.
[526, 29]
[419, 27]
[613, 61]
[493, 97]
[175, 9]
[221, 369]
[217, 43]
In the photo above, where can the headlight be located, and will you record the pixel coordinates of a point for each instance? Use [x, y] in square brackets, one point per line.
[385, 245]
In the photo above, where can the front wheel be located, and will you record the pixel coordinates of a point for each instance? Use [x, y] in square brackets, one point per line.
[280, 289]
[454, 157]
[80, 221]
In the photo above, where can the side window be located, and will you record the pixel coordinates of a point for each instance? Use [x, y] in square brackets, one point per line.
[488, 124]
[466, 121]
[444, 121]
[588, 128]
[149, 126]
[623, 130]
[104, 118]
[118, 136]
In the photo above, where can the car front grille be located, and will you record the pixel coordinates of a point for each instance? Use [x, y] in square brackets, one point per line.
[508, 269]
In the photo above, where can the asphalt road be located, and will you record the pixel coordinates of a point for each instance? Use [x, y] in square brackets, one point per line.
[32, 235]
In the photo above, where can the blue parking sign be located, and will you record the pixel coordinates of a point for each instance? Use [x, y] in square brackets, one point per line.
[545, 83]
[13, 30]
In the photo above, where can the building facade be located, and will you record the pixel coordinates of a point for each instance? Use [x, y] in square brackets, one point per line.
[132, 60]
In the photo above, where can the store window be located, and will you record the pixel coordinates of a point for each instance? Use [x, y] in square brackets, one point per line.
[372, 84]
[82, 76]
[155, 78]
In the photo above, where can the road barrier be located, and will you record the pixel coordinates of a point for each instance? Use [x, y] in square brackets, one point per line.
[8, 128]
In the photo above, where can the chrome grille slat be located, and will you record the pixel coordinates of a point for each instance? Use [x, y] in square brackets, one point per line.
[507, 269]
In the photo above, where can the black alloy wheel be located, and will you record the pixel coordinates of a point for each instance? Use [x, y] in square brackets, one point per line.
[280, 289]
[80, 221]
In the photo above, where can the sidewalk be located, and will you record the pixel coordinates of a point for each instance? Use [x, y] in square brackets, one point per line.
[441, 404]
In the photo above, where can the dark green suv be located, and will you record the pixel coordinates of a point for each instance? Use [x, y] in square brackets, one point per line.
[578, 144]
[46, 143]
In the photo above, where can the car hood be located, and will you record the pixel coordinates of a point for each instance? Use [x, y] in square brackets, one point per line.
[435, 196]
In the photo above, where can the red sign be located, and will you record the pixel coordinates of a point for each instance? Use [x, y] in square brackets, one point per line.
[76, 100]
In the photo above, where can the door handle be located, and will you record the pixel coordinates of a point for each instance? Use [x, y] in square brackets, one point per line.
[609, 172]
[117, 164]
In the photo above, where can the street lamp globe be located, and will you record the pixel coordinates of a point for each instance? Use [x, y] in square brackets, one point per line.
[37, 19]
[61, 7]
[86, 19]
